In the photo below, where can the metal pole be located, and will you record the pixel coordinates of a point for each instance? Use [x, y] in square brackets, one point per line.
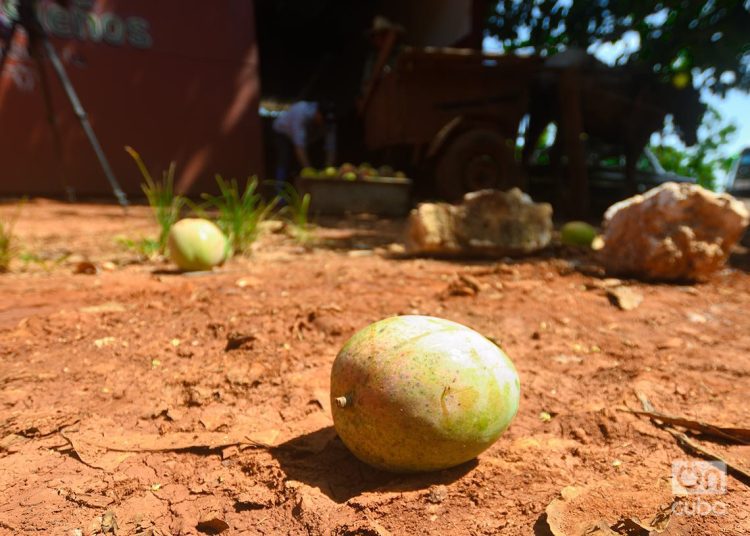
[52, 119]
[81, 113]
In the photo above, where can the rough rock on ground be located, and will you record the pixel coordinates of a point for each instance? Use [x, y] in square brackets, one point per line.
[487, 222]
[672, 232]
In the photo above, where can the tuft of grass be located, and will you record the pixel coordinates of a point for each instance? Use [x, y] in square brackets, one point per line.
[297, 210]
[240, 211]
[6, 245]
[45, 262]
[146, 248]
[8, 248]
[165, 204]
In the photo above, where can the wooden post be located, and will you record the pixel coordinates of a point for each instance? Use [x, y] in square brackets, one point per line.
[575, 172]
[391, 39]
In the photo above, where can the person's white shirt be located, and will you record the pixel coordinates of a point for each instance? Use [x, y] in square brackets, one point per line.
[294, 122]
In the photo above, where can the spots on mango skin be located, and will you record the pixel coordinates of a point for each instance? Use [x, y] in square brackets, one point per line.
[476, 357]
[457, 399]
[470, 412]
[460, 411]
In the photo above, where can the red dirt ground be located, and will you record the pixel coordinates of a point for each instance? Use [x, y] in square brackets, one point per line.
[124, 410]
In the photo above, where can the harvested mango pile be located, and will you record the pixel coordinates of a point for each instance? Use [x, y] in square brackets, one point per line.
[350, 172]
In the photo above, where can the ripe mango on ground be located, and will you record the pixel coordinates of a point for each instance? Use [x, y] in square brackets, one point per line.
[418, 393]
[197, 244]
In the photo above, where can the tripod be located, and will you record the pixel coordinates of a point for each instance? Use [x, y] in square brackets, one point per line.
[29, 20]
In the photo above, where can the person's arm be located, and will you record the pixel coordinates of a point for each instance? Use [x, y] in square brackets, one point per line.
[298, 133]
[301, 153]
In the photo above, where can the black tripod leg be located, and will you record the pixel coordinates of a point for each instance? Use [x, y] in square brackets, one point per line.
[83, 118]
[51, 119]
[7, 46]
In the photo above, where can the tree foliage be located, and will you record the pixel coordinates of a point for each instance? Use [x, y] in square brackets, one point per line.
[707, 37]
[704, 160]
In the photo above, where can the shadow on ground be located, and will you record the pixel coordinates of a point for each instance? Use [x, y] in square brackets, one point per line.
[319, 459]
[541, 527]
[358, 232]
[740, 258]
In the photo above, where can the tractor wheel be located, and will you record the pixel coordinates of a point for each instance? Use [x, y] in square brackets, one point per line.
[475, 160]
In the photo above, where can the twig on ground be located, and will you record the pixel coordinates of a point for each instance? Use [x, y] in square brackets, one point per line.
[735, 435]
[688, 444]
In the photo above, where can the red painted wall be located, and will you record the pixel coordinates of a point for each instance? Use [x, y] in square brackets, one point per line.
[175, 79]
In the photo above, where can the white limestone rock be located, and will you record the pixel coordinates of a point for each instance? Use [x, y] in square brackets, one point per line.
[675, 232]
[486, 223]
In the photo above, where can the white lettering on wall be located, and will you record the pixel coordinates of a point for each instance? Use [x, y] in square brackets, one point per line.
[79, 22]
[74, 22]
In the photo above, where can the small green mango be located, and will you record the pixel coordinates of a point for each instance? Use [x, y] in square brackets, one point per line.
[577, 233]
[418, 393]
[309, 173]
[196, 244]
[346, 168]
[386, 171]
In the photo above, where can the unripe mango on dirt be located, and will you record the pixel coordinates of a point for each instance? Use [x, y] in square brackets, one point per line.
[577, 233]
[418, 393]
[196, 244]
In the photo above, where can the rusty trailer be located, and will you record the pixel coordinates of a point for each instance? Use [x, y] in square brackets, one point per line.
[459, 110]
